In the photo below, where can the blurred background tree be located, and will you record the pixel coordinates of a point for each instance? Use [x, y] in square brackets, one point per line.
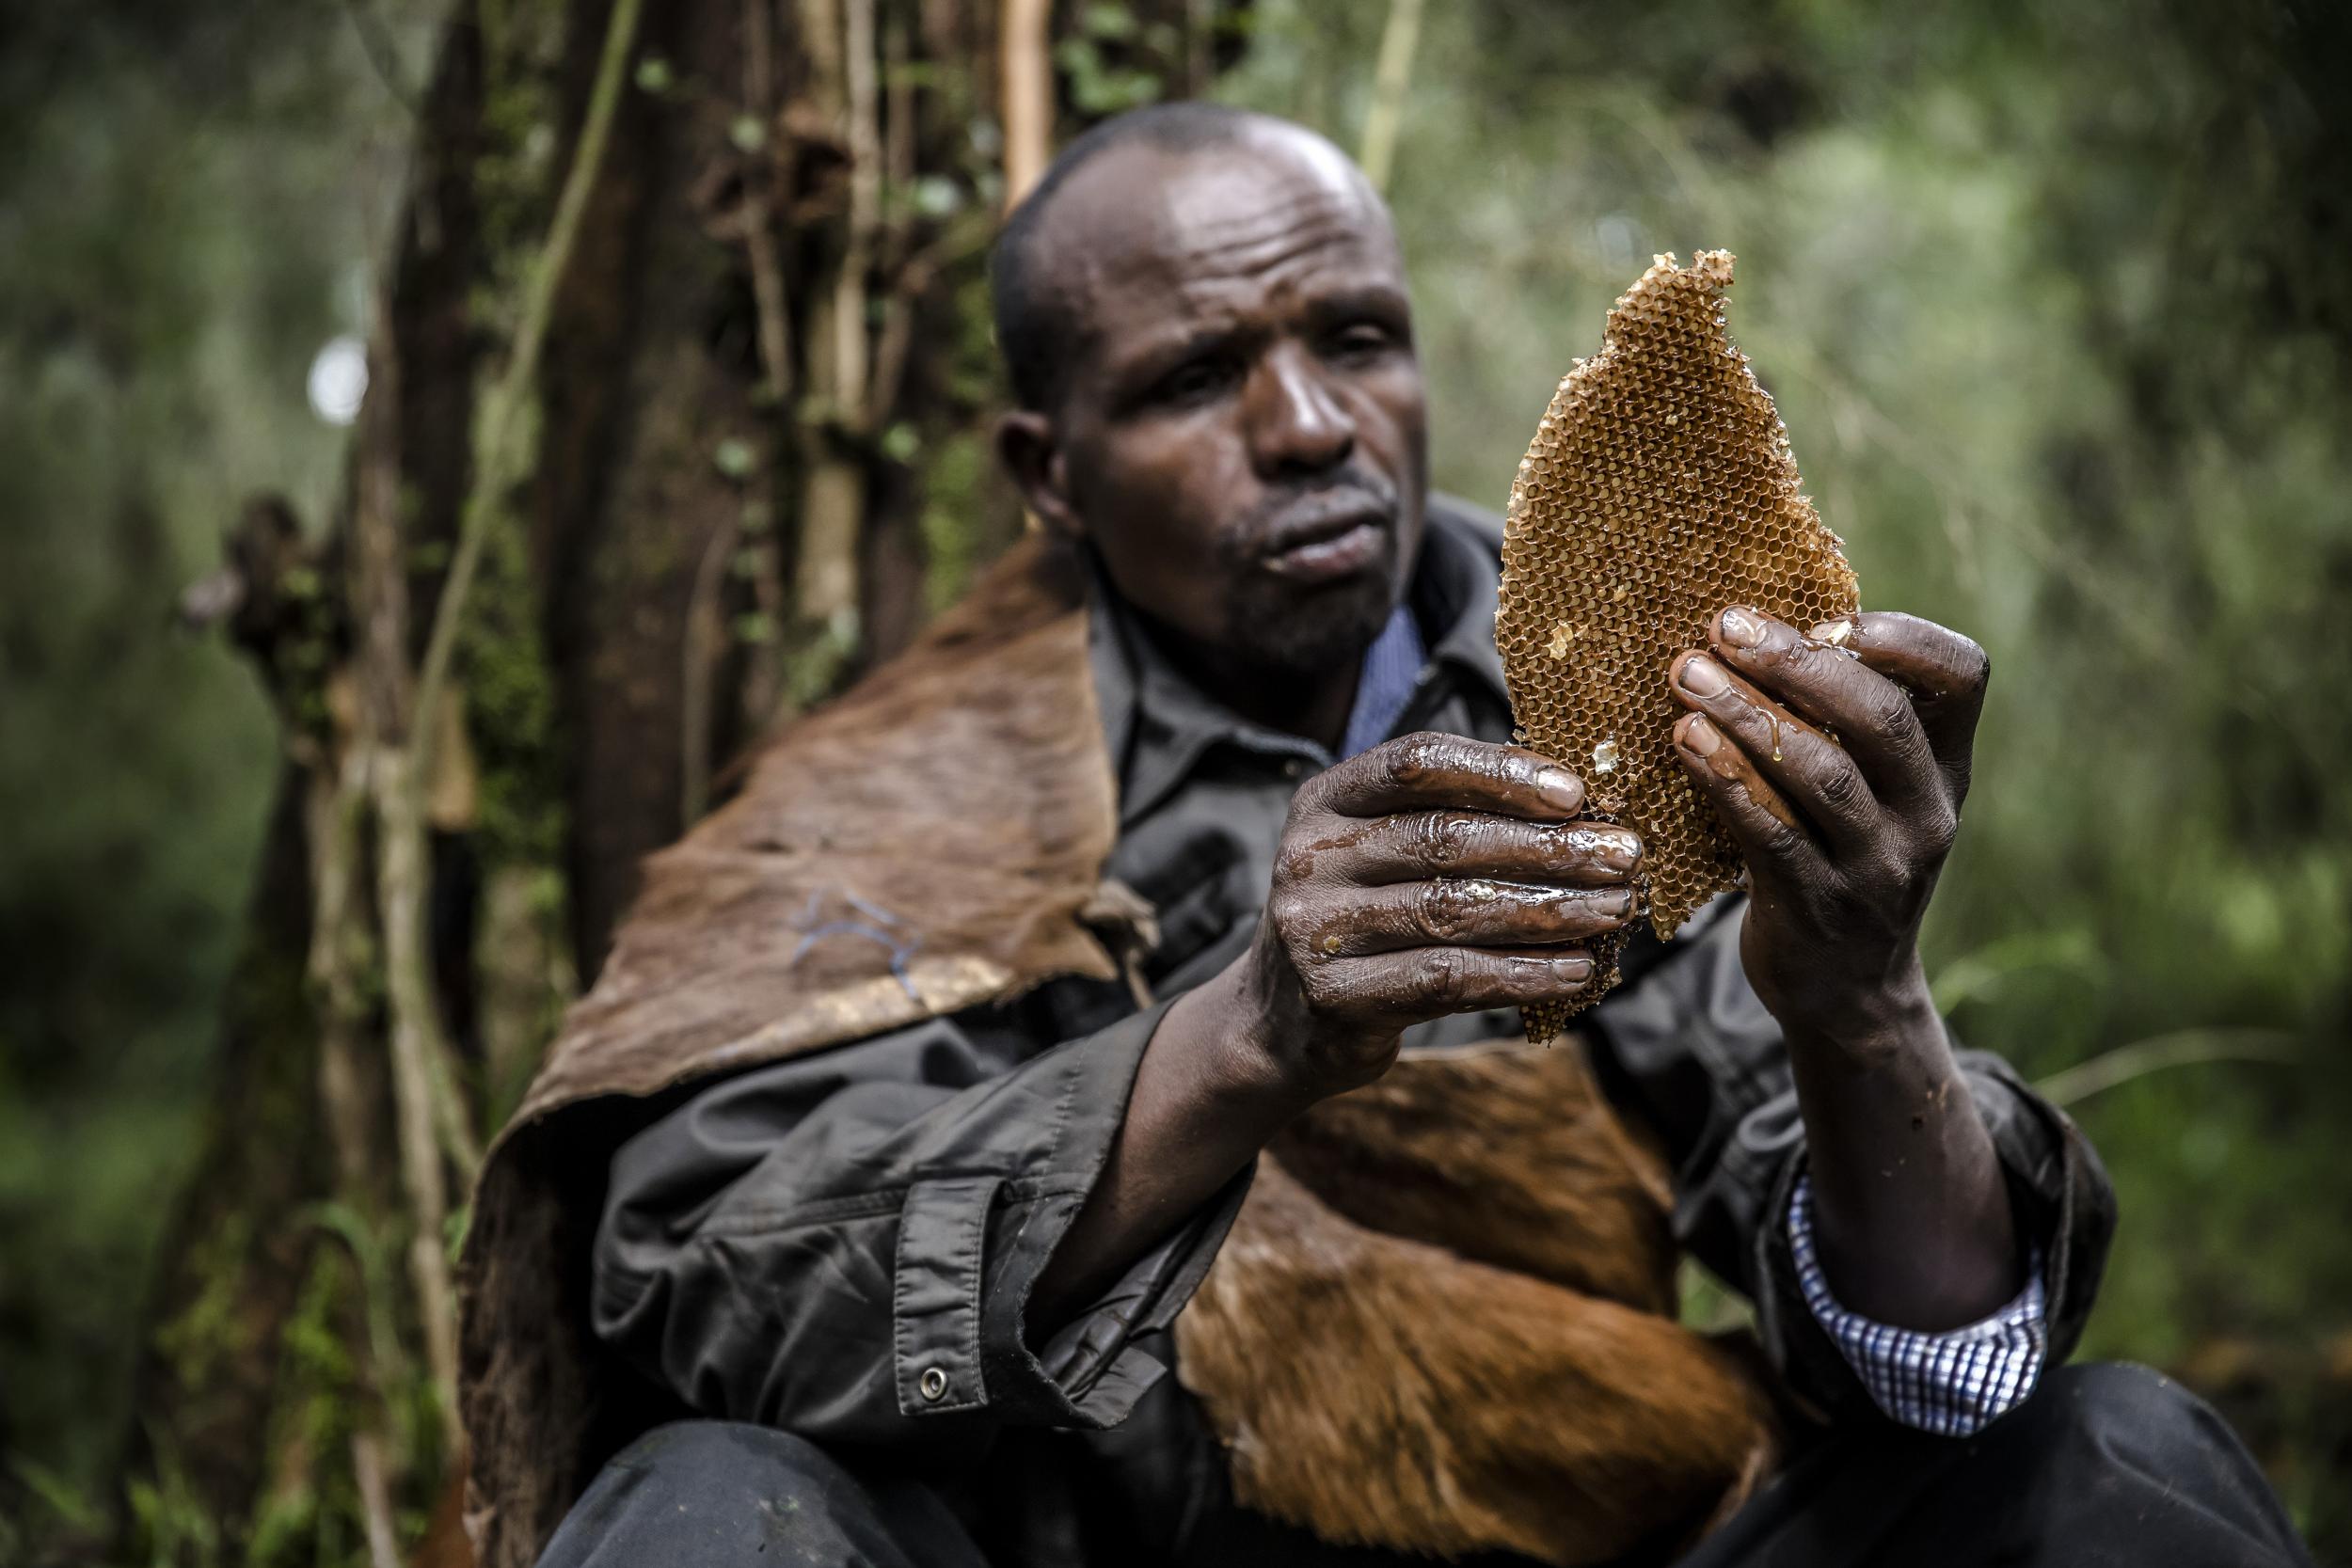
[2055, 300]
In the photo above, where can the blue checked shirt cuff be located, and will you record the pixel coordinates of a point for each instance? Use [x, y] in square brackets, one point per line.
[1952, 1385]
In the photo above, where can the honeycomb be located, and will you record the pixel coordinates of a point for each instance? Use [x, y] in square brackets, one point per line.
[1658, 489]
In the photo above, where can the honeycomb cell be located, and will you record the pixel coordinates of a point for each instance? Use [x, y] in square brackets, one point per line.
[1658, 489]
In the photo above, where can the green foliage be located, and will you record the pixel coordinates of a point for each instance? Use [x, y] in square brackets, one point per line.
[957, 480]
[171, 1523]
[1086, 58]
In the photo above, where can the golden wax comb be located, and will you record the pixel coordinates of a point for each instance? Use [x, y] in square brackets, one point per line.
[1658, 489]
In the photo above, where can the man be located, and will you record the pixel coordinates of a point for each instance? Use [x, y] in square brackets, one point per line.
[905, 1245]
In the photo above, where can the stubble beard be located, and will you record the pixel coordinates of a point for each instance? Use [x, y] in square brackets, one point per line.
[1291, 634]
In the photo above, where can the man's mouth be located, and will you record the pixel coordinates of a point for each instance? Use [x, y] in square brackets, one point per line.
[1333, 538]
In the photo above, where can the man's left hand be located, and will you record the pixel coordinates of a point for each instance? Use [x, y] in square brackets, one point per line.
[1838, 758]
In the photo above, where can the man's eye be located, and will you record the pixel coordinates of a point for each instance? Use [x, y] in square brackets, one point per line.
[1361, 341]
[1192, 382]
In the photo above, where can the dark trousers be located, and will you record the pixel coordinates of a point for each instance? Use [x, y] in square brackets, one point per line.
[2106, 1464]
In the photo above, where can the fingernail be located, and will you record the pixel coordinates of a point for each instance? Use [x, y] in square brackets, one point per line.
[1620, 848]
[1741, 629]
[1619, 903]
[1701, 677]
[1560, 788]
[1575, 967]
[1701, 737]
[1833, 632]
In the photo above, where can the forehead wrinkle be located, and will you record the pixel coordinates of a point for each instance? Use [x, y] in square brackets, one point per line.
[1268, 244]
[1189, 246]
[1309, 195]
[1189, 296]
[1194, 272]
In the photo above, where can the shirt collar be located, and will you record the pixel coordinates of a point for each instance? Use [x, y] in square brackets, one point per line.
[1158, 724]
[1455, 591]
[1392, 671]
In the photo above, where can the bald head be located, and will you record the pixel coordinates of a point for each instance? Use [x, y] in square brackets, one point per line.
[1122, 186]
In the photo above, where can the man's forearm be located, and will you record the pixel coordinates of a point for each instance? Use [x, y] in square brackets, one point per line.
[1912, 1215]
[1205, 1103]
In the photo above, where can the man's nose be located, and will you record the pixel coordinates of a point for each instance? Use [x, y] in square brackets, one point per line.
[1296, 422]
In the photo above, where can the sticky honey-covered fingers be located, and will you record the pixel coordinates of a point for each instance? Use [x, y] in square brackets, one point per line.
[1803, 763]
[1417, 772]
[1875, 719]
[1473, 912]
[1765, 826]
[1411, 847]
[1946, 673]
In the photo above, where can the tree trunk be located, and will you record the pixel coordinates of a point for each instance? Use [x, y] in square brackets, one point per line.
[677, 421]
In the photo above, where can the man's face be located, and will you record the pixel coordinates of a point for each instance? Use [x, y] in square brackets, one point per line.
[1241, 434]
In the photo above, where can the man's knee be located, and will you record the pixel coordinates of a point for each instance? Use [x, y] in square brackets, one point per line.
[736, 1451]
[2100, 1402]
[721, 1492]
[2106, 1414]
[2124, 1459]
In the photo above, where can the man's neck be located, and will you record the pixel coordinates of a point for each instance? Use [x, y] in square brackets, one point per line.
[1312, 705]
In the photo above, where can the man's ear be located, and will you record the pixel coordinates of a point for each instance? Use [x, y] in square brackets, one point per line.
[1030, 450]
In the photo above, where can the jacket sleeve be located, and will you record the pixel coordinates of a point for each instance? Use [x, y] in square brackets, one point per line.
[1688, 1049]
[842, 1244]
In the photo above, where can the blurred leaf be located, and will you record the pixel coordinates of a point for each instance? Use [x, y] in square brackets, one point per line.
[734, 457]
[1980, 973]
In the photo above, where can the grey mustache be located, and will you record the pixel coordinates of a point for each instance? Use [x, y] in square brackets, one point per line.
[1305, 519]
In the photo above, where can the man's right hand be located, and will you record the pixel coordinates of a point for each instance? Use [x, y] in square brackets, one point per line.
[1429, 876]
[1433, 875]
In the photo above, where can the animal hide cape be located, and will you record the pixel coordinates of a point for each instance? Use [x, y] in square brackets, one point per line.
[1443, 1322]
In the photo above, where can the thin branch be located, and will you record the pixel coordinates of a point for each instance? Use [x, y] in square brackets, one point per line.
[383, 55]
[1200, 54]
[896, 338]
[1398, 40]
[759, 60]
[376, 1500]
[380, 604]
[2184, 1049]
[772, 309]
[852, 358]
[769, 301]
[513, 388]
[385, 1362]
[819, 39]
[701, 654]
[832, 484]
[1027, 86]
[422, 1100]
[898, 161]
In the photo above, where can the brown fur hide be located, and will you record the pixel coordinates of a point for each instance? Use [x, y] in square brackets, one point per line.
[1505, 1154]
[1438, 1323]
